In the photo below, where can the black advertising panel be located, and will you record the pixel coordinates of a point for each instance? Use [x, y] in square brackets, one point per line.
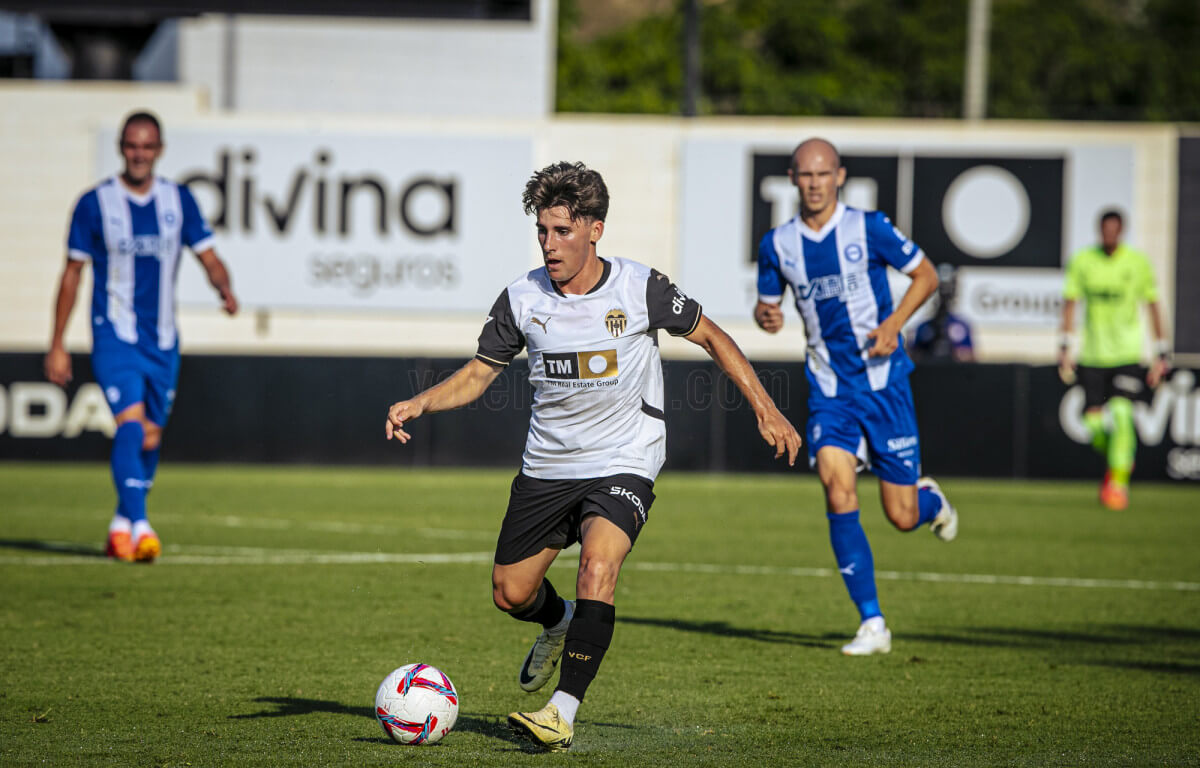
[975, 420]
[1187, 249]
[989, 211]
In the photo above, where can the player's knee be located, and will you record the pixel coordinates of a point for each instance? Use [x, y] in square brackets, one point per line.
[510, 597]
[152, 436]
[597, 576]
[903, 515]
[841, 499]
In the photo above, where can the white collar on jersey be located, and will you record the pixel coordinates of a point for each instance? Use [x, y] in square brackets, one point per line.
[140, 199]
[811, 234]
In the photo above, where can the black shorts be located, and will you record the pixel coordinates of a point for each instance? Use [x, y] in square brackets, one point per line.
[1103, 384]
[547, 513]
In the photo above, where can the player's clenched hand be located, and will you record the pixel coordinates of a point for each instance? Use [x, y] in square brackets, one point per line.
[405, 410]
[229, 302]
[1066, 367]
[780, 435]
[768, 316]
[57, 366]
[886, 338]
[1158, 372]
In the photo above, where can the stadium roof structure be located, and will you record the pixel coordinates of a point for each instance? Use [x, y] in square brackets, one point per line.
[124, 11]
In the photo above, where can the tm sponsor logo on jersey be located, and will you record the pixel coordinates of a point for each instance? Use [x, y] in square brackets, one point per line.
[633, 499]
[581, 369]
[833, 287]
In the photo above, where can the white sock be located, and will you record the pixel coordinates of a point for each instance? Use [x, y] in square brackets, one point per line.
[140, 529]
[561, 626]
[119, 523]
[567, 705]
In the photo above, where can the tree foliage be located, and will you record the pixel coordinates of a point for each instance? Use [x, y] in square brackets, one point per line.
[1068, 59]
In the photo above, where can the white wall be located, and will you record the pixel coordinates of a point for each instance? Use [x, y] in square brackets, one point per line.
[415, 67]
[49, 143]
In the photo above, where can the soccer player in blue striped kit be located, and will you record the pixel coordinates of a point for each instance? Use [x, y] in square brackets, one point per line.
[835, 258]
[133, 227]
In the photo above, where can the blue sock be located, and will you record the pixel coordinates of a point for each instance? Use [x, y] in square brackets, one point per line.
[928, 505]
[854, 560]
[128, 472]
[149, 467]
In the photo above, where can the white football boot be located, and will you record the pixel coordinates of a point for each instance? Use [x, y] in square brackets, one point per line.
[873, 636]
[945, 525]
[544, 655]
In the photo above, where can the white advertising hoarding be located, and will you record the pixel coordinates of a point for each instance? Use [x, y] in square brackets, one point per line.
[428, 223]
[1007, 215]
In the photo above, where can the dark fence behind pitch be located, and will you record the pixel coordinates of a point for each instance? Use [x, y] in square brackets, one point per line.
[975, 419]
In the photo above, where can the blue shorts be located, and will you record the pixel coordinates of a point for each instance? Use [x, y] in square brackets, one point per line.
[880, 428]
[130, 374]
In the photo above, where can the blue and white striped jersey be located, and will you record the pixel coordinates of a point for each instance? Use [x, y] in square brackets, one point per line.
[838, 277]
[134, 243]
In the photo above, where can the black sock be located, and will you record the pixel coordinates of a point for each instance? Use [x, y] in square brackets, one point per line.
[547, 608]
[588, 636]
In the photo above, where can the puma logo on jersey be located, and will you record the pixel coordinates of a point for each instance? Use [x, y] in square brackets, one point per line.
[542, 323]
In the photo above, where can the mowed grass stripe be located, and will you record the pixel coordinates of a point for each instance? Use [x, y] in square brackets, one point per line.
[260, 556]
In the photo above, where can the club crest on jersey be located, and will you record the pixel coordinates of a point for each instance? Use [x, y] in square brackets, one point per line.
[615, 321]
[596, 364]
[853, 252]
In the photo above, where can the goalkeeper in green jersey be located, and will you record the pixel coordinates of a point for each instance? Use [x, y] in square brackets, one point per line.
[1112, 279]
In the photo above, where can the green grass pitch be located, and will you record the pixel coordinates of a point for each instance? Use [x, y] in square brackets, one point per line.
[1051, 632]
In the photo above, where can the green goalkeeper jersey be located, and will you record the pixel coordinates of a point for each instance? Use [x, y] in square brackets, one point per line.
[1112, 288]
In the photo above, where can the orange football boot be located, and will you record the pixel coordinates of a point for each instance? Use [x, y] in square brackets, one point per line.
[148, 548]
[120, 546]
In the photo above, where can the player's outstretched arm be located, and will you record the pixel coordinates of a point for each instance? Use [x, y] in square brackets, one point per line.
[772, 425]
[465, 386]
[1161, 365]
[1066, 363]
[887, 335]
[57, 364]
[218, 278]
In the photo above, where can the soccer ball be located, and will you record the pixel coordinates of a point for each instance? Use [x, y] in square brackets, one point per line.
[416, 704]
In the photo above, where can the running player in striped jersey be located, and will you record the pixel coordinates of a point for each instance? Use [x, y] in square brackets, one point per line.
[835, 258]
[133, 227]
[597, 433]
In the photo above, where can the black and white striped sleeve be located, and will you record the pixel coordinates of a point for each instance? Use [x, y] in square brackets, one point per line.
[670, 308]
[500, 340]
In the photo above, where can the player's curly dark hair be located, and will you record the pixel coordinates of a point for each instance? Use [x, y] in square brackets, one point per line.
[573, 185]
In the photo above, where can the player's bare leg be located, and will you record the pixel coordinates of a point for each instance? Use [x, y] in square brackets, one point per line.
[130, 536]
[603, 551]
[522, 590]
[910, 506]
[837, 469]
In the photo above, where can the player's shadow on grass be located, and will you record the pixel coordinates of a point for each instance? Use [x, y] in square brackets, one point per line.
[1121, 646]
[289, 706]
[724, 629]
[58, 547]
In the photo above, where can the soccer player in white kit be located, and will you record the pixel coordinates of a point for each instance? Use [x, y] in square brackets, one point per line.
[834, 259]
[597, 433]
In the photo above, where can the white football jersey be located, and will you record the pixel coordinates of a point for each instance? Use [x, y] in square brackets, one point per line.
[594, 366]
